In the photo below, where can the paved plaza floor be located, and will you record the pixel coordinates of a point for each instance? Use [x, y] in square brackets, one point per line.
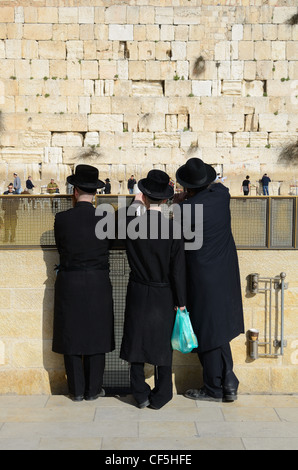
[254, 422]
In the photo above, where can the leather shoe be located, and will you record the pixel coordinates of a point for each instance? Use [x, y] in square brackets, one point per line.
[76, 397]
[144, 404]
[201, 394]
[230, 395]
[94, 397]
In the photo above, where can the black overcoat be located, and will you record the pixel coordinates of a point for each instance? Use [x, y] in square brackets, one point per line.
[213, 281]
[83, 310]
[156, 285]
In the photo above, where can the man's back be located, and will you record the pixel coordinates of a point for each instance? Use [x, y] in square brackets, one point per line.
[76, 239]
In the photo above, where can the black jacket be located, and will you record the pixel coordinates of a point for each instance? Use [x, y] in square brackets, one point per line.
[156, 285]
[83, 313]
[214, 292]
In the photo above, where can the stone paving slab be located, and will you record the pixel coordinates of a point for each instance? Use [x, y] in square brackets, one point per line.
[254, 422]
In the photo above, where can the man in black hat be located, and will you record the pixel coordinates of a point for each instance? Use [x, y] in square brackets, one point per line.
[83, 313]
[107, 187]
[156, 286]
[213, 281]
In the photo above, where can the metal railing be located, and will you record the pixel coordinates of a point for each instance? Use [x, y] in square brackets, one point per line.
[258, 222]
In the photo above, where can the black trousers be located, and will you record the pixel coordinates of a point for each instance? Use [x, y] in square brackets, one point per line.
[84, 374]
[218, 372]
[162, 392]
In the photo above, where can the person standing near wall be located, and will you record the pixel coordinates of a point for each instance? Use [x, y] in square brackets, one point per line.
[130, 184]
[265, 182]
[17, 184]
[29, 185]
[214, 292]
[156, 285]
[83, 311]
[246, 186]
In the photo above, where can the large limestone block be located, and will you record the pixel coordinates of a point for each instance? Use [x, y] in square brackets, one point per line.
[23, 155]
[280, 87]
[272, 122]
[167, 139]
[38, 32]
[281, 14]
[187, 15]
[53, 155]
[152, 123]
[68, 139]
[68, 15]
[60, 122]
[121, 32]
[52, 49]
[137, 70]
[35, 139]
[105, 122]
[164, 15]
[232, 87]
[253, 88]
[178, 87]
[142, 139]
[145, 88]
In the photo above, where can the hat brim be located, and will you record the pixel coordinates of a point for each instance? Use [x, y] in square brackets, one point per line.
[183, 181]
[167, 194]
[85, 186]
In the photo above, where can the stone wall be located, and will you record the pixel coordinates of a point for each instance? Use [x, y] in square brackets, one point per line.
[147, 83]
[28, 366]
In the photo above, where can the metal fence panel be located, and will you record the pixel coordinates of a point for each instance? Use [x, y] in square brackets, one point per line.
[249, 221]
[282, 223]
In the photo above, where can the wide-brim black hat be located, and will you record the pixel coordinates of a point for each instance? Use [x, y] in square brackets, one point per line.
[86, 178]
[195, 174]
[156, 185]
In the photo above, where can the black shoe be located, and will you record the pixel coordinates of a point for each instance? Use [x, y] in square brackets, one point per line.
[201, 395]
[144, 404]
[230, 395]
[76, 397]
[94, 397]
[152, 407]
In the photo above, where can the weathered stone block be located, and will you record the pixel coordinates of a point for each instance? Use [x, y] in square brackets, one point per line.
[104, 122]
[39, 32]
[53, 155]
[178, 87]
[120, 32]
[137, 70]
[68, 15]
[67, 139]
[271, 122]
[253, 88]
[237, 32]
[167, 139]
[201, 87]
[116, 14]
[142, 139]
[232, 87]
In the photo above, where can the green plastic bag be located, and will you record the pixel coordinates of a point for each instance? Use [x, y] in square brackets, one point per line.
[183, 337]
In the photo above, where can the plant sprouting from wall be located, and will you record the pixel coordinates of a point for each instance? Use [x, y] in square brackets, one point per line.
[89, 156]
[199, 66]
[289, 154]
[293, 20]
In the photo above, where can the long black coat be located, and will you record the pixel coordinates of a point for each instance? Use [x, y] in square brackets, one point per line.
[214, 293]
[83, 312]
[156, 285]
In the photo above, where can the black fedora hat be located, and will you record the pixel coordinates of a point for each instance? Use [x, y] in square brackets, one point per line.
[195, 174]
[156, 185]
[86, 178]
